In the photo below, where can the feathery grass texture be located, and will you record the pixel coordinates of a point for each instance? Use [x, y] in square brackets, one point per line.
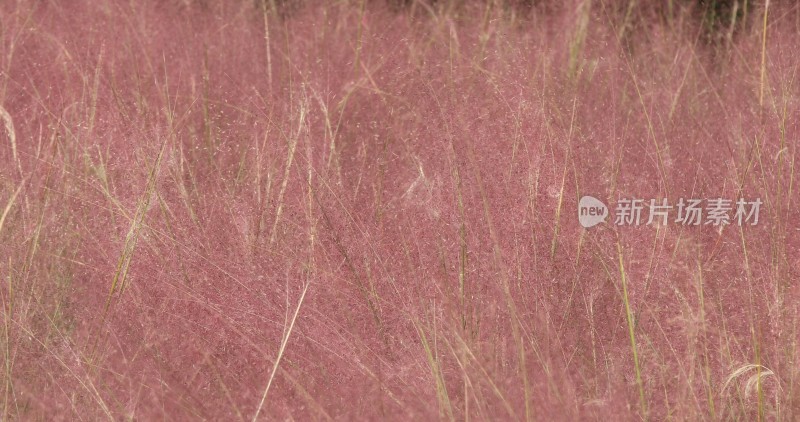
[366, 210]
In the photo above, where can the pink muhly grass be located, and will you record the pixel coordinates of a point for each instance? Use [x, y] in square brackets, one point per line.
[364, 210]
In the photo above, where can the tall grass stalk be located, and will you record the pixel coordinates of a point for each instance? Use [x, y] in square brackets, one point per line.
[629, 317]
[287, 333]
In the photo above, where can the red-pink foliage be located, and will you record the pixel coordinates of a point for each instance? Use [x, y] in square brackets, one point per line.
[420, 171]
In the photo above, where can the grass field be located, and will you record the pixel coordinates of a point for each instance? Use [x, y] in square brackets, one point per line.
[367, 210]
